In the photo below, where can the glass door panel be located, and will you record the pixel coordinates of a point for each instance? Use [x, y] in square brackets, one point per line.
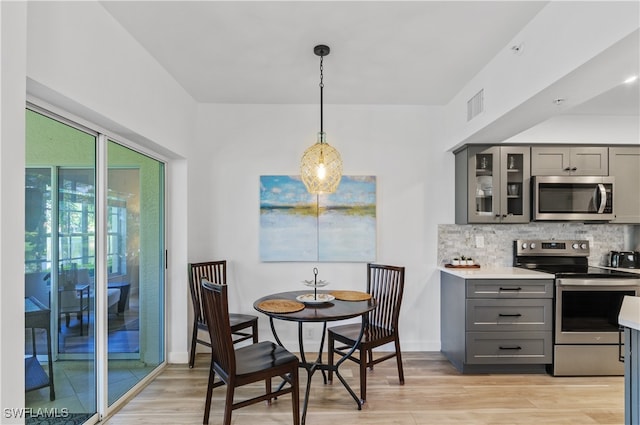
[515, 180]
[60, 359]
[484, 185]
[135, 260]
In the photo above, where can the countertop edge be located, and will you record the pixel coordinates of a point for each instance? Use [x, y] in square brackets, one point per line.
[630, 312]
[622, 269]
[496, 273]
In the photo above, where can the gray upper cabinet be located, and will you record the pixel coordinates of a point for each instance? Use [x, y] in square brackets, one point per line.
[569, 161]
[624, 163]
[493, 184]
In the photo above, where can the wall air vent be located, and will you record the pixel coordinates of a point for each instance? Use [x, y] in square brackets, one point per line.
[475, 105]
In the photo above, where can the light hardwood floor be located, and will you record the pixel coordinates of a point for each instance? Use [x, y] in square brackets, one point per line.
[434, 393]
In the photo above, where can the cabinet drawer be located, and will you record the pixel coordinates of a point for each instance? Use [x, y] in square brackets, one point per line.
[509, 315]
[508, 347]
[509, 288]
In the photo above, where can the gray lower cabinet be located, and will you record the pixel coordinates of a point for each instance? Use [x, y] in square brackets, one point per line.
[496, 325]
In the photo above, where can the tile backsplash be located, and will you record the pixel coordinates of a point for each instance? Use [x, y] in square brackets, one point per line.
[456, 240]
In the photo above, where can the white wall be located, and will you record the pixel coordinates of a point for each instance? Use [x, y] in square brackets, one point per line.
[401, 145]
[13, 40]
[585, 129]
[82, 60]
[74, 56]
[79, 51]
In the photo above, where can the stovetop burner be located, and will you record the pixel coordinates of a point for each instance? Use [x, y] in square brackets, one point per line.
[580, 272]
[563, 258]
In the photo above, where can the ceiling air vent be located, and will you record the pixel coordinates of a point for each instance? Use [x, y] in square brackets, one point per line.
[475, 105]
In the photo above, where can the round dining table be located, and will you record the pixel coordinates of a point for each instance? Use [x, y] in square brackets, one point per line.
[319, 312]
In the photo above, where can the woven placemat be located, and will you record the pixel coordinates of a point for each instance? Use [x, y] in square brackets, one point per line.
[280, 306]
[351, 295]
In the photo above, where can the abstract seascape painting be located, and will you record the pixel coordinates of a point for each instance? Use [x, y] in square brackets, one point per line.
[298, 226]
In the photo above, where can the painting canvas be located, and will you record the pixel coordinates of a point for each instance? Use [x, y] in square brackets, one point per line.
[298, 226]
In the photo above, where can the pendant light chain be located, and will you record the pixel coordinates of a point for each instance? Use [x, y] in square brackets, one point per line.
[321, 89]
[321, 164]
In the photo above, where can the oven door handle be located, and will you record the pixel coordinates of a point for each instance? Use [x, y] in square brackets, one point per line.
[602, 282]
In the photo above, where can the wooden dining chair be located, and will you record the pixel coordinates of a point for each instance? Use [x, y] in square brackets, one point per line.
[252, 363]
[386, 285]
[243, 326]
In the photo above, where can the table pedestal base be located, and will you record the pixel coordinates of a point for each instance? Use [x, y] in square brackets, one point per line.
[312, 367]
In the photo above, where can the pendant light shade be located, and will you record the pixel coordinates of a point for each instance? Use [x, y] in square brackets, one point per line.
[321, 164]
[321, 167]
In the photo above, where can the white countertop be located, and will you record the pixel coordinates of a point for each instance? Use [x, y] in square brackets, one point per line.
[635, 271]
[496, 273]
[630, 312]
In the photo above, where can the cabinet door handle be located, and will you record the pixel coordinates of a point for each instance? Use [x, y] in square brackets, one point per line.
[567, 169]
[511, 289]
[574, 168]
[510, 315]
[516, 347]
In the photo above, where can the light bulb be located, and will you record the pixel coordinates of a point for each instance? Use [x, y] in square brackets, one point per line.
[321, 171]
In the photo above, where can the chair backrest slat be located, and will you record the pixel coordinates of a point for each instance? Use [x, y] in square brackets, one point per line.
[216, 311]
[386, 285]
[213, 271]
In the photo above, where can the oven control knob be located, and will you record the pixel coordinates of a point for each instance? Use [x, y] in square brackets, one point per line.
[583, 246]
[575, 246]
[532, 245]
[524, 245]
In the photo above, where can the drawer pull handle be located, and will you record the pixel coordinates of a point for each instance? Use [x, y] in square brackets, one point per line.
[517, 347]
[511, 289]
[510, 315]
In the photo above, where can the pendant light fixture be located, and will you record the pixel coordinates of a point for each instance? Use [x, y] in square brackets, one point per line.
[321, 164]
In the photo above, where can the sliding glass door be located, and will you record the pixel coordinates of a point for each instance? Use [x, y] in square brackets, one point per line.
[135, 259]
[59, 263]
[94, 269]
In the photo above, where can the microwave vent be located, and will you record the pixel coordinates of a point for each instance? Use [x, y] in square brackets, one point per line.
[475, 105]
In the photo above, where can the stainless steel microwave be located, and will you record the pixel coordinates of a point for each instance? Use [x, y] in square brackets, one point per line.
[581, 198]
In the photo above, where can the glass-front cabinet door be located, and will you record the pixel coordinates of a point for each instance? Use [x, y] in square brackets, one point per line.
[484, 181]
[498, 186]
[515, 176]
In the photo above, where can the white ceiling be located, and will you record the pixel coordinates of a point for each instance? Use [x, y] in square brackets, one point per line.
[621, 100]
[390, 52]
[382, 52]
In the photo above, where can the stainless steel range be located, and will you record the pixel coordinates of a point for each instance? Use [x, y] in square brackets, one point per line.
[587, 302]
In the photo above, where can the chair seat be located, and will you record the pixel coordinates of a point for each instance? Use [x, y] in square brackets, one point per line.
[236, 319]
[372, 333]
[263, 355]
